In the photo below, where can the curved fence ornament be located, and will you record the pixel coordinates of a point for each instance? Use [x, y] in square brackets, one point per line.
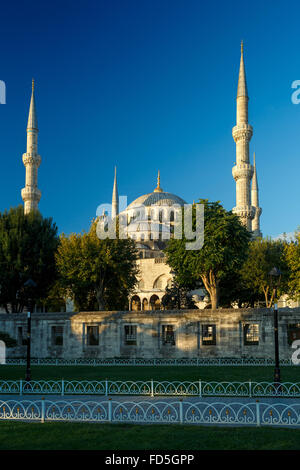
[198, 361]
[179, 411]
[151, 388]
[2, 352]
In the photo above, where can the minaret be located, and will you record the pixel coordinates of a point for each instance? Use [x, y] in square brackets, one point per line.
[115, 198]
[31, 194]
[255, 203]
[242, 172]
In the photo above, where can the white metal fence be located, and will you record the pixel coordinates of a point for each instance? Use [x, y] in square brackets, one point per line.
[197, 361]
[150, 388]
[181, 412]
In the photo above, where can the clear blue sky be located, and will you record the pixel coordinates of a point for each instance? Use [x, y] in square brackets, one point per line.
[148, 85]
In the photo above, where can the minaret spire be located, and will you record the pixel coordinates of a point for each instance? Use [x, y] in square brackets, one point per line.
[255, 203]
[31, 194]
[242, 133]
[115, 198]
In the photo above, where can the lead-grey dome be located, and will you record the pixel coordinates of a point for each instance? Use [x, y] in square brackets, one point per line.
[157, 199]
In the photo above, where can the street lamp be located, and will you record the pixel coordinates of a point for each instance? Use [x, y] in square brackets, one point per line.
[30, 286]
[275, 276]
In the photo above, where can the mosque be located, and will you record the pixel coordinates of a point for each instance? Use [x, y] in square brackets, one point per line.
[152, 215]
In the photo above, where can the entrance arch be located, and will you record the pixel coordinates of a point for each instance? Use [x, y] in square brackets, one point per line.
[154, 302]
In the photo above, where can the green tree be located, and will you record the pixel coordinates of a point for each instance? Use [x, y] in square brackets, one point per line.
[27, 250]
[263, 255]
[292, 252]
[225, 248]
[97, 274]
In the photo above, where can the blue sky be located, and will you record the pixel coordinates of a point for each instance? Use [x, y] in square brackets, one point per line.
[148, 85]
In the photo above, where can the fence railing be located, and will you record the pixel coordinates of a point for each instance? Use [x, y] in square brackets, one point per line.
[197, 361]
[150, 388]
[181, 412]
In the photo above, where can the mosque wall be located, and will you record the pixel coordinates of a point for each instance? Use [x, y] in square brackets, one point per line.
[159, 334]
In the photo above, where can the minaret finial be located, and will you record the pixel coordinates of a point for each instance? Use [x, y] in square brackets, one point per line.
[158, 189]
[32, 84]
[242, 46]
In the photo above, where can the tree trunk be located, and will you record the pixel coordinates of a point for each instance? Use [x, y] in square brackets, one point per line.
[211, 284]
[214, 297]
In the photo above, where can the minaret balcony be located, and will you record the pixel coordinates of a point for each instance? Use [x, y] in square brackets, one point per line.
[242, 171]
[244, 212]
[31, 159]
[30, 193]
[242, 132]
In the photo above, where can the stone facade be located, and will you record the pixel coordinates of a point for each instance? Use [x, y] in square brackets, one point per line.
[155, 334]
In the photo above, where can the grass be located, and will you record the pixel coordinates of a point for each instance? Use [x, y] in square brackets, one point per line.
[134, 373]
[93, 436]
[89, 436]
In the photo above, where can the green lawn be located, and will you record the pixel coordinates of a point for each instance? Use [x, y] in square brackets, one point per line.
[172, 373]
[89, 436]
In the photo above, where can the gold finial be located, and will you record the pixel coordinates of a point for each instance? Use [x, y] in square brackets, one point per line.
[158, 189]
[33, 84]
[242, 46]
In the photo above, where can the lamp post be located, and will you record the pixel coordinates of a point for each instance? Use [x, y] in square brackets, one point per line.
[275, 276]
[30, 285]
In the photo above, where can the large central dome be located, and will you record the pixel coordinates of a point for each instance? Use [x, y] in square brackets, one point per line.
[157, 199]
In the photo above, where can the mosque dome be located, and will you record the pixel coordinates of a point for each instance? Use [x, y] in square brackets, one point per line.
[157, 198]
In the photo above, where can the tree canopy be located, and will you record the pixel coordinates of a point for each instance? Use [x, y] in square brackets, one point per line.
[97, 274]
[27, 251]
[264, 254]
[224, 250]
[292, 252]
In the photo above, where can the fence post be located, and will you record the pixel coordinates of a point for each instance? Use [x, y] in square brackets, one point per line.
[250, 388]
[106, 387]
[62, 387]
[43, 410]
[109, 410]
[152, 388]
[200, 388]
[257, 413]
[21, 386]
[180, 411]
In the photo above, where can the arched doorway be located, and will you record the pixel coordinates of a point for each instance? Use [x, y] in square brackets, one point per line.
[154, 302]
[145, 304]
[135, 303]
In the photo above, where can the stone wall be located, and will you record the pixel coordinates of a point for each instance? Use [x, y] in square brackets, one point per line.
[159, 334]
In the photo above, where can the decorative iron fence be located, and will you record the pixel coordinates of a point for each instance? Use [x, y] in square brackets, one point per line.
[151, 388]
[198, 361]
[181, 412]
